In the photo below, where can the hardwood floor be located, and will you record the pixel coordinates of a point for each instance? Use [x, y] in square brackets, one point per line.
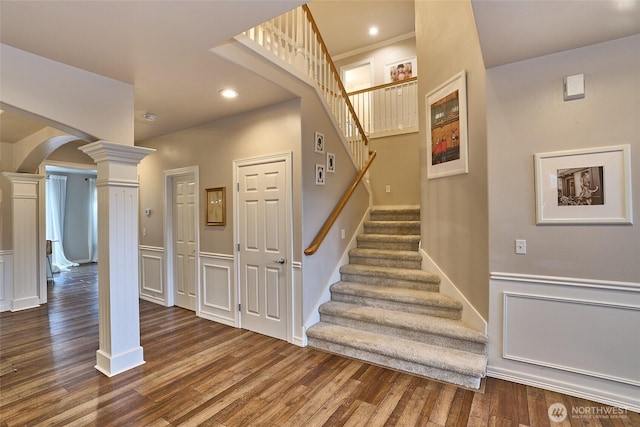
[199, 372]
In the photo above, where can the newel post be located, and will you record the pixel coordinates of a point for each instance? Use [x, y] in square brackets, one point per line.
[119, 317]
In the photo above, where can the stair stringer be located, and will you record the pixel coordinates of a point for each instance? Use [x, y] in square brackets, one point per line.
[470, 315]
[314, 316]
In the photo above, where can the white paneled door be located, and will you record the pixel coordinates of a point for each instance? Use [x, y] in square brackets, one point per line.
[184, 232]
[262, 244]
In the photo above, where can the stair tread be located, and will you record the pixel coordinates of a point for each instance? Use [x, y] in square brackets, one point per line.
[416, 322]
[426, 354]
[390, 237]
[414, 275]
[399, 209]
[394, 223]
[397, 294]
[386, 253]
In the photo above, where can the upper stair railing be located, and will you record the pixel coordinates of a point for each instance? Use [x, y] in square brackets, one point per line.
[387, 109]
[294, 37]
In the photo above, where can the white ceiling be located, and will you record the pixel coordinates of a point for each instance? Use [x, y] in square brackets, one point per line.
[345, 24]
[162, 47]
[515, 30]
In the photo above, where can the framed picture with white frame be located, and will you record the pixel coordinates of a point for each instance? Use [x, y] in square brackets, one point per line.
[320, 174]
[319, 142]
[331, 163]
[584, 186]
[401, 70]
[447, 143]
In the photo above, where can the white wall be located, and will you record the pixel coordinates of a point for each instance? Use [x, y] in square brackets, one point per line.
[71, 99]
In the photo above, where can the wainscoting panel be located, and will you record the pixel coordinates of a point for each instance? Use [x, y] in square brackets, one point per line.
[575, 336]
[6, 280]
[217, 299]
[152, 283]
[585, 347]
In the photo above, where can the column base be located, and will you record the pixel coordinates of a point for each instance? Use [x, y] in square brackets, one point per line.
[113, 365]
[25, 303]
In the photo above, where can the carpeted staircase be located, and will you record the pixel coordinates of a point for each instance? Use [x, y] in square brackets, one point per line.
[387, 311]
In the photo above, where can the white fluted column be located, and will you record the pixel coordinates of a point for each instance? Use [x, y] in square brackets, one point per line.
[24, 208]
[117, 187]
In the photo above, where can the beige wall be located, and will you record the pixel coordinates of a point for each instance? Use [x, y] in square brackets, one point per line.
[454, 209]
[379, 57]
[213, 148]
[284, 127]
[527, 115]
[70, 153]
[319, 201]
[397, 165]
[398, 157]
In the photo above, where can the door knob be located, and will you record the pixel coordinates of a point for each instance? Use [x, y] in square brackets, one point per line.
[280, 261]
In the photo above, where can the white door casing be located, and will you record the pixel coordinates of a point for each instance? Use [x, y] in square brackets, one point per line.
[263, 240]
[188, 246]
[184, 228]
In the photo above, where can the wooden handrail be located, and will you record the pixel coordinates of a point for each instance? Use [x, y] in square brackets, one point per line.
[383, 86]
[335, 72]
[331, 219]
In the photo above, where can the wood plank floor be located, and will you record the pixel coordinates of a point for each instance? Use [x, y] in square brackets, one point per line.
[199, 372]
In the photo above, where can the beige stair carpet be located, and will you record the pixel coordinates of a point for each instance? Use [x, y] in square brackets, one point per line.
[388, 311]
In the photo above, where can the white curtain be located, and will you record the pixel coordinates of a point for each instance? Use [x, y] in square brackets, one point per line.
[56, 189]
[93, 220]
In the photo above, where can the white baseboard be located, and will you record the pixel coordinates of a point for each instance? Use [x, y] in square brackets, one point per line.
[568, 388]
[470, 315]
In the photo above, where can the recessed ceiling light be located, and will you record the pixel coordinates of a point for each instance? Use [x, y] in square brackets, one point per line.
[373, 31]
[150, 117]
[229, 93]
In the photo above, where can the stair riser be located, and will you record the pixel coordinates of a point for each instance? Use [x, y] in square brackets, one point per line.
[384, 281]
[385, 262]
[447, 313]
[428, 338]
[392, 216]
[398, 246]
[402, 365]
[412, 230]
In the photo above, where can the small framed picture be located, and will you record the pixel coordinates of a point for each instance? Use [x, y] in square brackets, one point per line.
[401, 70]
[320, 170]
[331, 163]
[216, 211]
[319, 142]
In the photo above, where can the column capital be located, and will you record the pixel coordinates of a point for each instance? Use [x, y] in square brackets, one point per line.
[102, 151]
[22, 177]
[23, 185]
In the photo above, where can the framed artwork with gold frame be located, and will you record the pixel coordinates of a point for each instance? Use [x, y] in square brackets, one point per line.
[216, 209]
